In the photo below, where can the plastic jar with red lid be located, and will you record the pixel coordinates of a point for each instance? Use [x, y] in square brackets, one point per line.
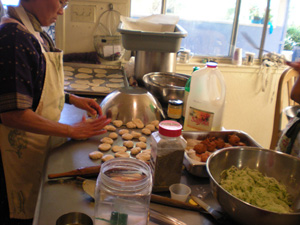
[167, 152]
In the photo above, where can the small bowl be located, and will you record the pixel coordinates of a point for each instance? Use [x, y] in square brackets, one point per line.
[74, 218]
[166, 85]
[131, 103]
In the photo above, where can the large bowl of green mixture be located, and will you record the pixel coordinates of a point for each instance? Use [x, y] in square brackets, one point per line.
[256, 186]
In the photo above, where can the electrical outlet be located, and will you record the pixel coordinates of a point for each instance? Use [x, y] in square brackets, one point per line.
[83, 13]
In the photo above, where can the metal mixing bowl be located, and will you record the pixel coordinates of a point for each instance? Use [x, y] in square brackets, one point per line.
[284, 168]
[166, 85]
[291, 111]
[130, 103]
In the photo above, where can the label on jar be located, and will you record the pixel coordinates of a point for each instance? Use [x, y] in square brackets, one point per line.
[175, 113]
[199, 119]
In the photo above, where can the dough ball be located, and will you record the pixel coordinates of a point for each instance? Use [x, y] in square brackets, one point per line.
[113, 135]
[142, 145]
[150, 127]
[130, 125]
[138, 123]
[117, 148]
[146, 131]
[143, 156]
[135, 150]
[136, 134]
[122, 155]
[107, 140]
[127, 136]
[148, 151]
[128, 144]
[110, 128]
[155, 123]
[104, 147]
[123, 131]
[118, 123]
[143, 139]
[95, 155]
[107, 157]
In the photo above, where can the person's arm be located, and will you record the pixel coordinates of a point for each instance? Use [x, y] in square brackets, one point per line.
[28, 120]
[88, 104]
[295, 93]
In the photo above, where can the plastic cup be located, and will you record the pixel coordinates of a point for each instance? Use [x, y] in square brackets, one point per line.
[180, 192]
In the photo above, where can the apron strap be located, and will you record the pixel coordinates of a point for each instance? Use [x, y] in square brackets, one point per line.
[26, 21]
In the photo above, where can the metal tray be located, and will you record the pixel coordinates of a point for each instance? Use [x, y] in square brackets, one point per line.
[71, 79]
[199, 168]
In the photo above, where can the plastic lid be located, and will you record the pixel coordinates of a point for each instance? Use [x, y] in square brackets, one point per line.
[170, 128]
[211, 64]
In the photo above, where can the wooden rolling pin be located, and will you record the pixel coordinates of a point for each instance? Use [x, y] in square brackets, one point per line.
[91, 171]
[175, 203]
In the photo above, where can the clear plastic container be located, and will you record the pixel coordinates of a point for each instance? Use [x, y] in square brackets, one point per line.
[167, 151]
[123, 192]
[206, 100]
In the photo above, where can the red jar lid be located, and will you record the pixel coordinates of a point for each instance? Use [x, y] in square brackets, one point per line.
[170, 128]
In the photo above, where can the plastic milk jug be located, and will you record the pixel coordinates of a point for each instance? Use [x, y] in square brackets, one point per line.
[206, 100]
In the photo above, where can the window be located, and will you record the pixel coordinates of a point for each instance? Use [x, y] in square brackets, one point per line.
[214, 27]
[10, 2]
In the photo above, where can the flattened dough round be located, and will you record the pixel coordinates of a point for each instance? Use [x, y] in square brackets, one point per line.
[82, 81]
[68, 68]
[85, 70]
[101, 89]
[100, 75]
[79, 86]
[100, 71]
[98, 81]
[83, 76]
[68, 73]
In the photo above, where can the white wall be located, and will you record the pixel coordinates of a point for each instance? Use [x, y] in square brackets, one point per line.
[75, 37]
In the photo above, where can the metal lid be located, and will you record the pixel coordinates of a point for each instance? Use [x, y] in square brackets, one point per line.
[175, 102]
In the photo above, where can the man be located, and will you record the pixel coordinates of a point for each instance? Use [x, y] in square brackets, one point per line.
[31, 100]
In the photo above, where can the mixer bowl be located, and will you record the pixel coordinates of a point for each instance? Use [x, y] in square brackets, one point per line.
[166, 85]
[130, 103]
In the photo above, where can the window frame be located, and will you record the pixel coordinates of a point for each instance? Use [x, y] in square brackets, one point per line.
[235, 30]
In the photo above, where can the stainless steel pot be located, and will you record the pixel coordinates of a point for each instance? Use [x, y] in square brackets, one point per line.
[153, 61]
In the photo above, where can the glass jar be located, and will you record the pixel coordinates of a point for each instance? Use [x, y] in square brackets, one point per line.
[167, 151]
[175, 108]
[123, 192]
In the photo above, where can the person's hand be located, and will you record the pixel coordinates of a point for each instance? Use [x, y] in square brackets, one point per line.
[295, 65]
[88, 104]
[86, 129]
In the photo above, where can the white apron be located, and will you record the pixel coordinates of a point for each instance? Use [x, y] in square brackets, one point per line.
[23, 153]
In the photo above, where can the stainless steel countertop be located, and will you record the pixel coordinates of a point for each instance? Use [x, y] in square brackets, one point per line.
[61, 196]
